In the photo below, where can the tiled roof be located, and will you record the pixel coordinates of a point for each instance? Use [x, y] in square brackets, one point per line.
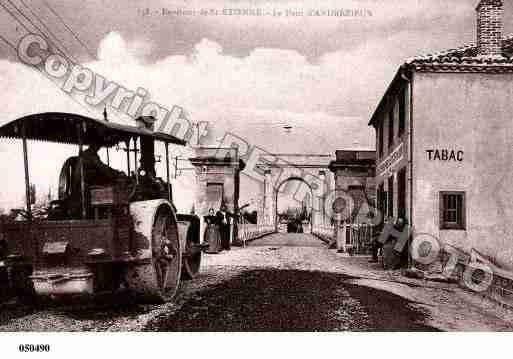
[464, 58]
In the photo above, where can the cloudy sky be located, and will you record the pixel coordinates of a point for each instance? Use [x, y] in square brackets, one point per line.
[249, 75]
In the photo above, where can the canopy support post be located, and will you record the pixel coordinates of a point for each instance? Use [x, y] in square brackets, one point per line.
[81, 164]
[169, 193]
[27, 178]
[135, 161]
[176, 167]
[127, 143]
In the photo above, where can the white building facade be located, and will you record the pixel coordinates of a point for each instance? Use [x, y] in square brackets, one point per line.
[444, 143]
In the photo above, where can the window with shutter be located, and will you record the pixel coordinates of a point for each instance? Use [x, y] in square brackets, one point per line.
[452, 210]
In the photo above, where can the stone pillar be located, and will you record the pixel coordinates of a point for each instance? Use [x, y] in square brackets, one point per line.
[352, 170]
[261, 204]
[219, 175]
[273, 207]
[343, 209]
[269, 198]
[318, 217]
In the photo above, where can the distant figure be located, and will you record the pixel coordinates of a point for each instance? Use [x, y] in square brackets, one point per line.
[391, 258]
[299, 226]
[376, 245]
[223, 219]
[212, 235]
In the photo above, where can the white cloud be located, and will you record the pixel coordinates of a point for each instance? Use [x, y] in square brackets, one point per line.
[268, 86]
[114, 49]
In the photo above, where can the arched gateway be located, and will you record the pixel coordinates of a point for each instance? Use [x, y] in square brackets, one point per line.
[311, 177]
[340, 188]
[306, 198]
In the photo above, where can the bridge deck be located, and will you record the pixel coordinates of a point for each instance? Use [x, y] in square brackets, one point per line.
[289, 240]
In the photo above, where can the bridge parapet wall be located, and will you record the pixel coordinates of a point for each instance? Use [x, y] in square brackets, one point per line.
[249, 232]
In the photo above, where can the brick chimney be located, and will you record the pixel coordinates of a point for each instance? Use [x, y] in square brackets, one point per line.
[489, 27]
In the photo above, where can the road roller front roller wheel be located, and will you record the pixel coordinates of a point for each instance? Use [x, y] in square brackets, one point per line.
[160, 279]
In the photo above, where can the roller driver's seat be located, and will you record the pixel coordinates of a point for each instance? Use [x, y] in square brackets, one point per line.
[69, 204]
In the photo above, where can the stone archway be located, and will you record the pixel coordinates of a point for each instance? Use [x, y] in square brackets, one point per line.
[312, 174]
[277, 192]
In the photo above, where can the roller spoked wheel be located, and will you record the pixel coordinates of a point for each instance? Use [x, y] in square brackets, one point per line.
[159, 280]
[166, 256]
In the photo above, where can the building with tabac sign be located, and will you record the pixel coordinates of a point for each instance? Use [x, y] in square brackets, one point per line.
[444, 142]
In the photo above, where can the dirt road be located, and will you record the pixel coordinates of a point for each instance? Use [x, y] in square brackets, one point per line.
[279, 283]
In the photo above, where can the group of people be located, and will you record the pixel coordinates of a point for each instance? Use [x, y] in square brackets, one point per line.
[217, 233]
[380, 239]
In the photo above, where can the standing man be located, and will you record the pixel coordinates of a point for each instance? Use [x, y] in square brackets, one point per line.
[223, 219]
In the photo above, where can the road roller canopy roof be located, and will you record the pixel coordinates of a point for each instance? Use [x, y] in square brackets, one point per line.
[65, 128]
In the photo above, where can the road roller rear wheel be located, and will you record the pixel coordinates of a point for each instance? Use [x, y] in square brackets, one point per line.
[160, 279]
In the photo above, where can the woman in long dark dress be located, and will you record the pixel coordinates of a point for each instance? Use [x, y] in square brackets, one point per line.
[212, 234]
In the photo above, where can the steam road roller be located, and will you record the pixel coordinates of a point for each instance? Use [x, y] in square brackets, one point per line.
[109, 229]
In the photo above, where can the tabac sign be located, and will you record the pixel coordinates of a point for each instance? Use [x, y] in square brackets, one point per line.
[388, 163]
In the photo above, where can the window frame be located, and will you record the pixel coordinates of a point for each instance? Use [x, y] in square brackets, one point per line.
[446, 225]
